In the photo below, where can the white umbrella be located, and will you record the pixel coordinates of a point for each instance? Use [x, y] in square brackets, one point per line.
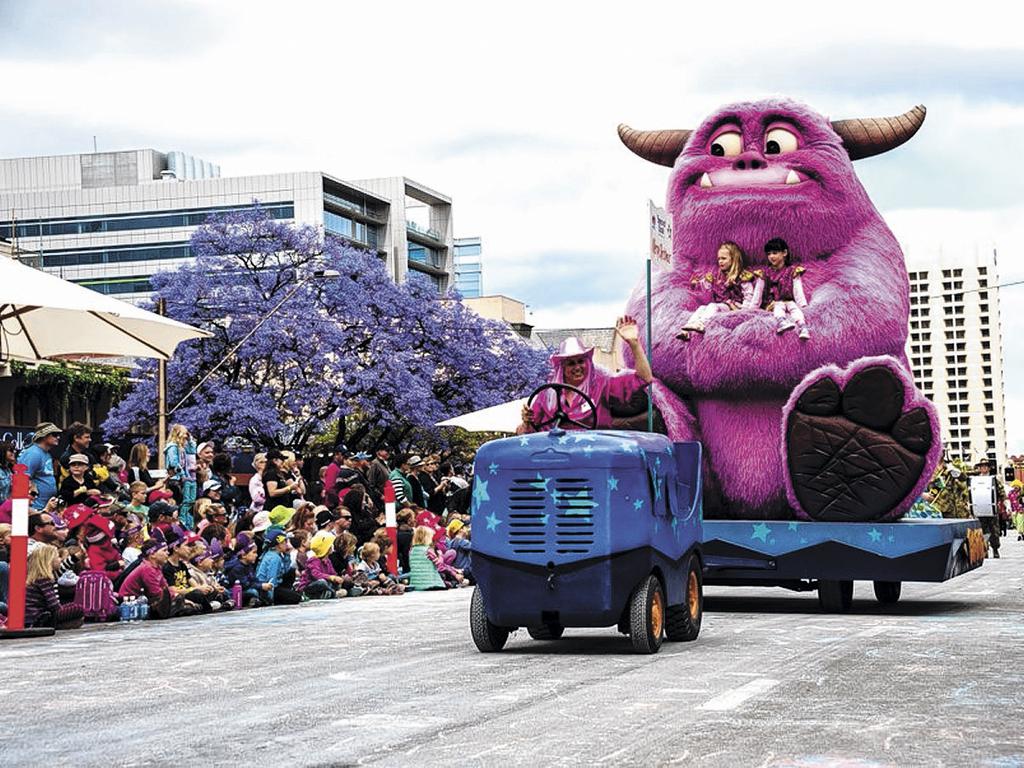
[43, 317]
[498, 418]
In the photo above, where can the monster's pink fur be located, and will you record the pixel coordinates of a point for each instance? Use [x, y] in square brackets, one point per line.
[738, 375]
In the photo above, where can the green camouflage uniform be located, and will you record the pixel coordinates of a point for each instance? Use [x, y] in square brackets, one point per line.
[950, 495]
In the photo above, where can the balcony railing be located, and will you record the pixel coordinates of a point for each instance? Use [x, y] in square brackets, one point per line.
[412, 226]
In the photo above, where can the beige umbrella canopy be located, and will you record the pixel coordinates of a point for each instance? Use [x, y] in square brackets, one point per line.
[43, 317]
[498, 418]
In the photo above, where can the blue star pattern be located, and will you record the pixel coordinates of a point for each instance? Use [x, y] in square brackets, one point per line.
[585, 438]
[657, 488]
[875, 534]
[524, 441]
[544, 519]
[493, 468]
[793, 526]
[492, 522]
[613, 483]
[638, 504]
[543, 481]
[761, 532]
[563, 440]
[480, 494]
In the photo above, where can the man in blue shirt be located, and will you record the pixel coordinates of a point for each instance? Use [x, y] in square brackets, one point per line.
[40, 463]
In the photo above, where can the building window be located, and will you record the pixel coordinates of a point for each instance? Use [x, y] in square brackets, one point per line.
[192, 217]
[116, 255]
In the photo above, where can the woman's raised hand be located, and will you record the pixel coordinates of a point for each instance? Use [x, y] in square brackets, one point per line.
[625, 326]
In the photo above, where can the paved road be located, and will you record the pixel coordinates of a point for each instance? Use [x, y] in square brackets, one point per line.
[934, 680]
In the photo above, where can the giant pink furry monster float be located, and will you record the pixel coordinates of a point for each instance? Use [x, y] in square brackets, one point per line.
[830, 428]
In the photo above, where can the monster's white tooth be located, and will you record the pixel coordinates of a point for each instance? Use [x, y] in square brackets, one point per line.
[792, 178]
[705, 180]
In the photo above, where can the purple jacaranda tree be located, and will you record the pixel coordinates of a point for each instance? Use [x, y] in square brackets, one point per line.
[357, 351]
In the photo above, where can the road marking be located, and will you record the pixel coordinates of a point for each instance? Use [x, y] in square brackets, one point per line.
[733, 698]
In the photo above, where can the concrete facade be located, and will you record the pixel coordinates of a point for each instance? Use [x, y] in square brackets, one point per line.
[111, 220]
[955, 347]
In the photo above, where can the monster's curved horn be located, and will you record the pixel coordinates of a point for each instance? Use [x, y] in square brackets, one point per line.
[874, 135]
[661, 147]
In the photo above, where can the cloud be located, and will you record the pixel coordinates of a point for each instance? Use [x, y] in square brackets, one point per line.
[77, 29]
[477, 144]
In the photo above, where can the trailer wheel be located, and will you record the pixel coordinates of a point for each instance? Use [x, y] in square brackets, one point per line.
[647, 616]
[546, 631]
[888, 592]
[684, 620]
[488, 637]
[835, 596]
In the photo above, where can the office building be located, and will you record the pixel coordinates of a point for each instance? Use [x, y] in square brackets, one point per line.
[956, 351]
[469, 268]
[110, 220]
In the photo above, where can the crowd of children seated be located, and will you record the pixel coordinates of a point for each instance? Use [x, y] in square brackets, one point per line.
[111, 535]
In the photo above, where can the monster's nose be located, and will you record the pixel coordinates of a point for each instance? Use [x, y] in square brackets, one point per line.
[749, 160]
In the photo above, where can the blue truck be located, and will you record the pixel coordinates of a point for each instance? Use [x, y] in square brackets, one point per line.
[587, 528]
[595, 528]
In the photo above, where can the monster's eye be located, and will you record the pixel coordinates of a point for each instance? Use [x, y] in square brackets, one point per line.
[779, 141]
[727, 144]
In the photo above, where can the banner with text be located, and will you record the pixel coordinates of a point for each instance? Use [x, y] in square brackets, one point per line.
[661, 236]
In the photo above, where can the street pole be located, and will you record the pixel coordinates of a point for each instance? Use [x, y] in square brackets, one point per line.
[650, 351]
[161, 397]
[15, 626]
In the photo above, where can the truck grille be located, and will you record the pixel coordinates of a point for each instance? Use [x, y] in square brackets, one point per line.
[553, 516]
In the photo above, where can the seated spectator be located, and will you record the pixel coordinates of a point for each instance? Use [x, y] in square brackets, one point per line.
[241, 569]
[220, 471]
[319, 580]
[459, 543]
[161, 517]
[371, 577]
[133, 538]
[304, 518]
[300, 550]
[275, 568]
[423, 573]
[344, 560]
[204, 578]
[5, 568]
[176, 572]
[282, 515]
[101, 554]
[79, 484]
[406, 523]
[42, 605]
[147, 580]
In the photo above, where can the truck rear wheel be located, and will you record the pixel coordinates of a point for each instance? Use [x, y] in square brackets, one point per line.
[546, 631]
[647, 616]
[835, 596]
[488, 637]
[888, 592]
[683, 621]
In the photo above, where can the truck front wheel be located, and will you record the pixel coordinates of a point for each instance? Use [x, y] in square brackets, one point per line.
[488, 637]
[684, 620]
[835, 596]
[888, 592]
[647, 616]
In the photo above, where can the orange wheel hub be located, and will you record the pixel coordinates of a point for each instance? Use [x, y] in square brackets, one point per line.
[658, 614]
[693, 595]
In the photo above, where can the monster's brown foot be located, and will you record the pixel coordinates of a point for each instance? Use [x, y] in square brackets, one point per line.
[854, 453]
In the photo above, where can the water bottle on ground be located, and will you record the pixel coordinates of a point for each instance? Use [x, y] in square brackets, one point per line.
[236, 594]
[133, 611]
[143, 608]
[123, 610]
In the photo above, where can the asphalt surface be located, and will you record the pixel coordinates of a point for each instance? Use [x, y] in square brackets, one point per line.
[934, 680]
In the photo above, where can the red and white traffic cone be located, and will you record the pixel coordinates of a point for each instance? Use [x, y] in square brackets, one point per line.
[391, 521]
[19, 556]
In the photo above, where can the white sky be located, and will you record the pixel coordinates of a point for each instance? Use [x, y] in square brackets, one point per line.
[511, 109]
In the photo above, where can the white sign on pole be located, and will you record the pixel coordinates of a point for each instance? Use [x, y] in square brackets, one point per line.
[983, 497]
[661, 236]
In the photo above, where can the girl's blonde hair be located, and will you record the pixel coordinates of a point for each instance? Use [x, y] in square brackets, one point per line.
[139, 457]
[736, 254]
[347, 543]
[40, 563]
[422, 535]
[200, 507]
[5, 531]
[369, 550]
[178, 435]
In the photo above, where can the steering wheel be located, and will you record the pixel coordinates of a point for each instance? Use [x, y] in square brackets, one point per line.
[561, 413]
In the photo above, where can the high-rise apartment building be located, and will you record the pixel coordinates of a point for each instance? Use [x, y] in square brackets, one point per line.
[110, 220]
[469, 267]
[956, 351]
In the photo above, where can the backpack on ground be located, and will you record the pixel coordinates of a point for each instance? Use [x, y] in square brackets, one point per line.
[94, 594]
